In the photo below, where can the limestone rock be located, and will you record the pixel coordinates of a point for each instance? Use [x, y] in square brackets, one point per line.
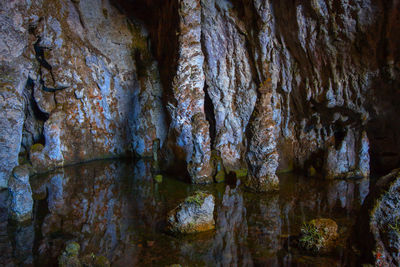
[350, 159]
[195, 214]
[378, 225]
[262, 156]
[20, 192]
[189, 128]
[229, 81]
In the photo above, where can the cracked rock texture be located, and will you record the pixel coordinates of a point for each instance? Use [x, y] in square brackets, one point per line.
[377, 227]
[78, 83]
[82, 80]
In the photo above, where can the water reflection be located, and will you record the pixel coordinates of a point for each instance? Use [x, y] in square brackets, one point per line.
[115, 209]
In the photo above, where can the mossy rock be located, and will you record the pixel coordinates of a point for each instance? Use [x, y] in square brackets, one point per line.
[72, 249]
[101, 261]
[241, 173]
[311, 172]
[36, 148]
[319, 235]
[158, 178]
[197, 198]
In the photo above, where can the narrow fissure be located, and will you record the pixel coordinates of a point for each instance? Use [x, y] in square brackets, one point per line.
[210, 115]
[34, 120]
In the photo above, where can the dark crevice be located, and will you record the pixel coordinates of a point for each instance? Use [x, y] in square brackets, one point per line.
[210, 115]
[340, 134]
[39, 53]
[34, 120]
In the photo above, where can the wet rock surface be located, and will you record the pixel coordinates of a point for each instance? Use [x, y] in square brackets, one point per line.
[119, 212]
[89, 80]
[194, 215]
[379, 222]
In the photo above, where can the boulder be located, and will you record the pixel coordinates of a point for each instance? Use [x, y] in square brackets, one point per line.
[378, 225]
[195, 214]
[21, 202]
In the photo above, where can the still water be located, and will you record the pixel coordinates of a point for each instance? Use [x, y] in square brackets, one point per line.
[116, 209]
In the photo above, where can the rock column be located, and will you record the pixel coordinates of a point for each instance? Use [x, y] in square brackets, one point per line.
[262, 156]
[189, 123]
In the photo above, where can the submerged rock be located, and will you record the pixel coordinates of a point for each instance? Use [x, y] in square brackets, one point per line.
[195, 214]
[20, 191]
[319, 235]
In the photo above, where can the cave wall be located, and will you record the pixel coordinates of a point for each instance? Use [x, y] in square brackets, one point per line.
[88, 72]
[271, 86]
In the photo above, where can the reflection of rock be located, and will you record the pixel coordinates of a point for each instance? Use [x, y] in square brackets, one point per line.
[378, 225]
[319, 235]
[20, 194]
[6, 248]
[23, 237]
[265, 215]
[230, 238]
[195, 214]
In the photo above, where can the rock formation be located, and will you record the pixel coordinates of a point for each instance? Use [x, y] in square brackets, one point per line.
[195, 214]
[84, 80]
[378, 225]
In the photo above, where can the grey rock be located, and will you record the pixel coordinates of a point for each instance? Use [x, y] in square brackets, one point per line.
[378, 225]
[195, 214]
[189, 127]
[229, 78]
[351, 159]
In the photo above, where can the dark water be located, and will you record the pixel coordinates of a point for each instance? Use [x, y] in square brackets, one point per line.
[116, 209]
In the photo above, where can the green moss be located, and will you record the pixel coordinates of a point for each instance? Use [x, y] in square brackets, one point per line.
[220, 177]
[158, 178]
[311, 238]
[105, 13]
[72, 249]
[311, 171]
[396, 225]
[241, 173]
[197, 198]
[36, 148]
[101, 261]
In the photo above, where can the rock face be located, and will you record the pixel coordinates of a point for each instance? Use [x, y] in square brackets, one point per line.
[378, 226]
[79, 82]
[83, 80]
[20, 193]
[262, 156]
[189, 128]
[195, 214]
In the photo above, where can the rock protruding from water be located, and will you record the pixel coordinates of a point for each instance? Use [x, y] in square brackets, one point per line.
[262, 156]
[189, 126]
[20, 191]
[319, 235]
[195, 214]
[378, 226]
